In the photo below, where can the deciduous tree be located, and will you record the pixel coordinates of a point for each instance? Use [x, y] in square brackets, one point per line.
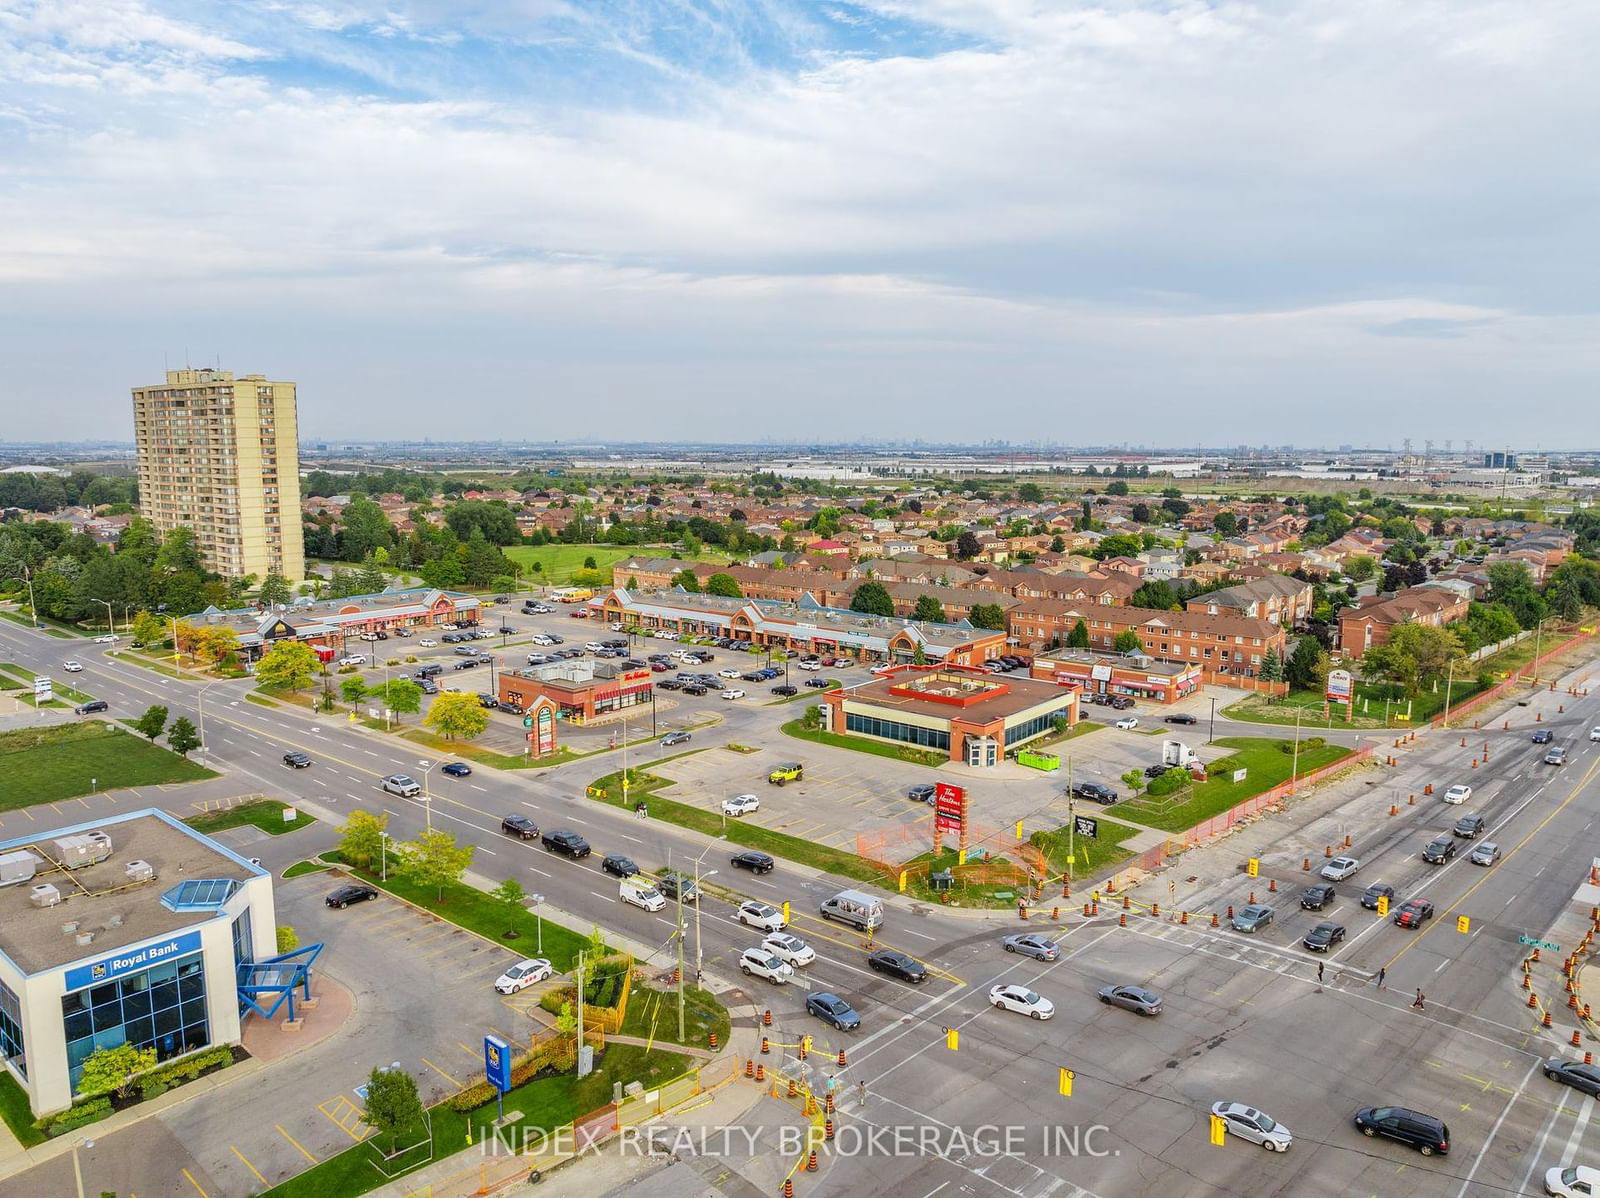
[434, 859]
[287, 665]
[457, 716]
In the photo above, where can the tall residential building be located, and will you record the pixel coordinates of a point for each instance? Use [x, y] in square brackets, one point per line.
[222, 455]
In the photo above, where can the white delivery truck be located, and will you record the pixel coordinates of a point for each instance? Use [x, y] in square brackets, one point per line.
[855, 907]
[641, 892]
[1176, 753]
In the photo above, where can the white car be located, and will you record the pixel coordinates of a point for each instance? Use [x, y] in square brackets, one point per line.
[1128, 721]
[885, 668]
[1022, 1000]
[1340, 868]
[730, 673]
[762, 916]
[403, 785]
[72, 667]
[790, 948]
[1459, 793]
[353, 659]
[523, 973]
[1572, 1182]
[593, 646]
[758, 962]
[540, 639]
[811, 665]
[426, 643]
[109, 639]
[733, 692]
[1594, 733]
[1258, 1127]
[740, 805]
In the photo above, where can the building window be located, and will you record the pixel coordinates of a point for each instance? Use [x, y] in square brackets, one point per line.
[11, 1030]
[1028, 729]
[163, 1007]
[912, 734]
[243, 940]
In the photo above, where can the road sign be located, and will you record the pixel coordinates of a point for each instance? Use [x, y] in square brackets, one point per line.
[1064, 1082]
[497, 1063]
[1339, 686]
[43, 690]
[1463, 924]
[1086, 825]
[1383, 904]
[1219, 1129]
[1253, 868]
[902, 881]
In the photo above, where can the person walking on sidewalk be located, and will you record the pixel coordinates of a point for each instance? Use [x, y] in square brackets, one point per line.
[1319, 972]
[861, 1093]
[1417, 1001]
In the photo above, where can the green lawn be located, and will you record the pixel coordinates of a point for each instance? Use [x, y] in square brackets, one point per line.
[1089, 856]
[41, 765]
[655, 1013]
[750, 836]
[559, 562]
[54, 628]
[861, 744]
[265, 814]
[1266, 763]
[14, 1109]
[475, 911]
[300, 868]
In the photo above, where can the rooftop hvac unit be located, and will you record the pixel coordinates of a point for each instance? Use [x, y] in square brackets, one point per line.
[140, 870]
[87, 848]
[44, 895]
[83, 938]
[18, 867]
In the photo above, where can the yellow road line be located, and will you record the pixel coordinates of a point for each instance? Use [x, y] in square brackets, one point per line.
[296, 1143]
[440, 1072]
[189, 1177]
[246, 1162]
[473, 1052]
[345, 1109]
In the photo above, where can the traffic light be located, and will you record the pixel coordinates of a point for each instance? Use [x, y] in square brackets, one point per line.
[785, 910]
[1383, 905]
[1219, 1130]
[1463, 924]
[952, 1039]
[1254, 867]
[1065, 1082]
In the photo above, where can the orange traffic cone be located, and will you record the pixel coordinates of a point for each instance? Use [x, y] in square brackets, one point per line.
[841, 1058]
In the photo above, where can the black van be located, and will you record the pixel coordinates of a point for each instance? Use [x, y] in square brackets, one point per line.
[1425, 1133]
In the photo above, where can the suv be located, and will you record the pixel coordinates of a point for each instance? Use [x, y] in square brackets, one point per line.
[1253, 918]
[788, 771]
[403, 785]
[1097, 792]
[569, 843]
[1120, 702]
[1468, 826]
[668, 883]
[1425, 1133]
[1439, 851]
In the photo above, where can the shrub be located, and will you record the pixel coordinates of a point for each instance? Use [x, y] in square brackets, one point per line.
[74, 1116]
[1168, 783]
[554, 1053]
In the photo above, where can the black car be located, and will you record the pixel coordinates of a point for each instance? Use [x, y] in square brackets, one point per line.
[923, 792]
[567, 843]
[1468, 826]
[785, 689]
[428, 686]
[297, 761]
[907, 969]
[1543, 737]
[670, 684]
[758, 863]
[92, 706]
[1095, 792]
[617, 864]
[469, 664]
[519, 825]
[819, 683]
[1574, 1073]
[1324, 936]
[488, 701]
[1425, 1133]
[506, 629]
[346, 895]
[1377, 890]
[694, 688]
[456, 769]
[1181, 718]
[1315, 898]
[1437, 852]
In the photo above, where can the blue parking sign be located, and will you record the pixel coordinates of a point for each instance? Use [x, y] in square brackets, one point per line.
[497, 1063]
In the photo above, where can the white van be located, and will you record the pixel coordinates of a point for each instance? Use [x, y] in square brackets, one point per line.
[641, 892]
[855, 907]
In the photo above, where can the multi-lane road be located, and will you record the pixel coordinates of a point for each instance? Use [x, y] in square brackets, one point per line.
[1244, 1017]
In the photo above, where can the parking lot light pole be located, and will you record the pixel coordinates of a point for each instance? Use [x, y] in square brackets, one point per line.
[77, 1172]
[538, 920]
[383, 856]
[1212, 735]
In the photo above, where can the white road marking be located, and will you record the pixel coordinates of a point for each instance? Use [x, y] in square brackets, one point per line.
[1578, 1126]
[491, 852]
[918, 935]
[475, 786]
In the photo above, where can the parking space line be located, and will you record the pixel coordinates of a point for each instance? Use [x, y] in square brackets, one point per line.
[189, 1177]
[346, 1116]
[475, 1053]
[296, 1143]
[439, 1071]
[246, 1162]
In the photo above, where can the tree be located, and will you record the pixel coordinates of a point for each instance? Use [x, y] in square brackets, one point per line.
[929, 609]
[361, 838]
[148, 628]
[511, 896]
[1127, 641]
[363, 528]
[589, 563]
[433, 859]
[211, 644]
[688, 580]
[288, 665]
[872, 597]
[1361, 566]
[723, 584]
[370, 578]
[182, 739]
[153, 722]
[1271, 666]
[1140, 512]
[967, 545]
[1413, 656]
[401, 696]
[987, 615]
[1134, 780]
[1119, 544]
[1510, 583]
[1226, 523]
[456, 715]
[274, 590]
[1030, 493]
[392, 1105]
[1117, 488]
[179, 552]
[1057, 545]
[1300, 670]
[288, 939]
[1078, 638]
[108, 1069]
[354, 689]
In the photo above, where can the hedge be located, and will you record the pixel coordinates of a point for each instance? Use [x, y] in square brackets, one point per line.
[1168, 783]
[76, 1115]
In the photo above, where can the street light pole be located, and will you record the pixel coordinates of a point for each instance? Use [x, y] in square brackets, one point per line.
[111, 617]
[699, 960]
[1449, 681]
[27, 578]
[427, 792]
[1294, 769]
[200, 702]
[1212, 735]
[679, 878]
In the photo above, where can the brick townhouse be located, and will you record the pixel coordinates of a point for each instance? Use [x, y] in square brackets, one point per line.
[1221, 645]
[1274, 597]
[1372, 623]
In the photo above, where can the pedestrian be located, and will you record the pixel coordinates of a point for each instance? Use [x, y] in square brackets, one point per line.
[833, 1081]
[861, 1093]
[1417, 1002]
[1383, 972]
[1319, 972]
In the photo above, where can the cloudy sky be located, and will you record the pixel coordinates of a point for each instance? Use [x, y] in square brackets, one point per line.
[1178, 222]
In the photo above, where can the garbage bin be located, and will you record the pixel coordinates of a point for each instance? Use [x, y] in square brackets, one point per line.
[942, 879]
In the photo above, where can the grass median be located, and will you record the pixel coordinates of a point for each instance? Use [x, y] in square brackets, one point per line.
[642, 787]
[266, 814]
[860, 744]
[1266, 762]
[63, 761]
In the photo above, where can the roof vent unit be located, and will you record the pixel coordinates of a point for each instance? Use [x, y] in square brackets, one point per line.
[69, 927]
[87, 848]
[18, 867]
[83, 938]
[140, 870]
[44, 895]
[114, 920]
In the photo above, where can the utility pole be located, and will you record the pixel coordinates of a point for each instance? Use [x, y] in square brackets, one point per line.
[1072, 823]
[679, 879]
[1212, 735]
[1449, 681]
[581, 956]
[1294, 769]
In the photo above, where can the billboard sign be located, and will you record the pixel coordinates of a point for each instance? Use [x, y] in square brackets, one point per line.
[497, 1063]
[1339, 688]
[1086, 825]
[43, 690]
[949, 807]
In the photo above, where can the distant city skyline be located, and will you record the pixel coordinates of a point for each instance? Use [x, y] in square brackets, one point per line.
[940, 220]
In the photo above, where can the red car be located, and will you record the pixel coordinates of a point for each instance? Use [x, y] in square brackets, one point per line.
[1413, 913]
[580, 613]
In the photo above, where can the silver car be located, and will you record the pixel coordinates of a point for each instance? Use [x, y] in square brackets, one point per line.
[1340, 868]
[1256, 1126]
[1132, 998]
[1031, 944]
[1253, 918]
[1486, 853]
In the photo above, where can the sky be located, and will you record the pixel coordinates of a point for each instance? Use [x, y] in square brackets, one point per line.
[1163, 223]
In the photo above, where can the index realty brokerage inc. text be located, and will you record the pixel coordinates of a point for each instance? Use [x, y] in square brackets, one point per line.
[850, 1139]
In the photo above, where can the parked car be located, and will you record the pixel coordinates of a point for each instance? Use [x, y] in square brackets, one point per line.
[1425, 1133]
[618, 866]
[762, 916]
[354, 893]
[789, 948]
[740, 805]
[1256, 1127]
[1340, 868]
[675, 738]
[1128, 721]
[1583, 1078]
[1032, 944]
[1181, 717]
[1459, 793]
[1437, 852]
[922, 792]
[523, 974]
[1252, 918]
[1316, 896]
[830, 1008]
[1132, 998]
[1576, 1181]
[353, 659]
[1022, 1000]
[1377, 890]
[1413, 913]
[403, 785]
[519, 826]
[756, 863]
[758, 962]
[898, 965]
[565, 842]
[1486, 853]
[297, 760]
[1324, 936]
